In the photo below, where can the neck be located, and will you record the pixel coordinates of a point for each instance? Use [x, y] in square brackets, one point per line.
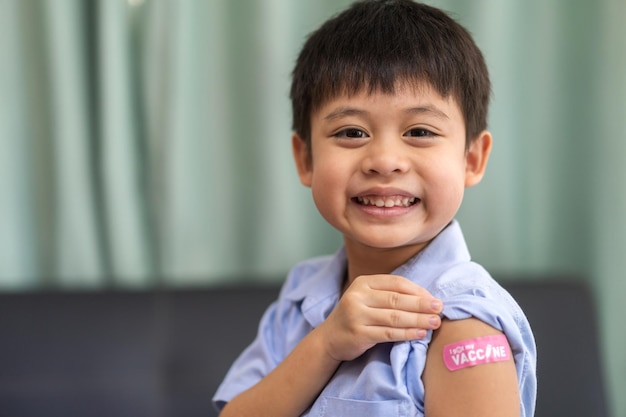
[365, 260]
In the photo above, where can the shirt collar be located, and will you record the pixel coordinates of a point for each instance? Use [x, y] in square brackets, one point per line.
[447, 249]
[320, 290]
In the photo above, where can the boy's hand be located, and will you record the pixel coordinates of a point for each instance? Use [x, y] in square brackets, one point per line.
[377, 309]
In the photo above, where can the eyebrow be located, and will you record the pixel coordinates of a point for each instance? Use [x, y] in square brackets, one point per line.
[351, 111]
[427, 110]
[344, 112]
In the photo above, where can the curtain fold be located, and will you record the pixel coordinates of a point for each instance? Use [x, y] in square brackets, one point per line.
[607, 199]
[121, 141]
[147, 143]
[17, 240]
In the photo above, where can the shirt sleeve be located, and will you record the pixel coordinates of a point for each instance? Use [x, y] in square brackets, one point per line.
[256, 361]
[284, 324]
[488, 302]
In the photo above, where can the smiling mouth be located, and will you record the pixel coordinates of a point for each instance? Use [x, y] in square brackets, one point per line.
[386, 201]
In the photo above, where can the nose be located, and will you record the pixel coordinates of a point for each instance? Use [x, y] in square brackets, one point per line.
[385, 156]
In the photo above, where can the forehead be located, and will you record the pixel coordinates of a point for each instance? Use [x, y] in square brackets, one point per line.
[410, 98]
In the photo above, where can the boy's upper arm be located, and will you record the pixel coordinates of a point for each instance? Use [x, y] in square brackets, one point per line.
[470, 382]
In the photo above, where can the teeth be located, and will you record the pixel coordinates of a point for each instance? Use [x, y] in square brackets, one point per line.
[388, 202]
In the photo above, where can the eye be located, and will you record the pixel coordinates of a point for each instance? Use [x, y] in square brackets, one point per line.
[419, 133]
[351, 133]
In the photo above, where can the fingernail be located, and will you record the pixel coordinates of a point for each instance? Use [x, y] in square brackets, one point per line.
[434, 320]
[436, 305]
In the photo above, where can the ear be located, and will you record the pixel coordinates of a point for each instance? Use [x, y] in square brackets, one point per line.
[476, 158]
[302, 158]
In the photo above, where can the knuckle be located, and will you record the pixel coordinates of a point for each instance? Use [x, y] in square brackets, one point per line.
[362, 280]
[397, 280]
[394, 318]
[350, 299]
[389, 335]
[394, 300]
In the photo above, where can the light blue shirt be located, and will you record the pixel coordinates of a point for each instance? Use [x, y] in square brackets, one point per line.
[386, 380]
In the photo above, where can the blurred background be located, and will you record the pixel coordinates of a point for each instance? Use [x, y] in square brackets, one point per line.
[146, 143]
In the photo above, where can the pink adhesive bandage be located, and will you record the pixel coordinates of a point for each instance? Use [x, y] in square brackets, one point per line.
[478, 351]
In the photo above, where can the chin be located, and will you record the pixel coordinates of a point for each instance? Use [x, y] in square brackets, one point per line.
[387, 244]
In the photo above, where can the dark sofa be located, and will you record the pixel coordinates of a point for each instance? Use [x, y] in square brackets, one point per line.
[162, 353]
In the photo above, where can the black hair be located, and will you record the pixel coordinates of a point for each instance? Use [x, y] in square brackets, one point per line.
[374, 44]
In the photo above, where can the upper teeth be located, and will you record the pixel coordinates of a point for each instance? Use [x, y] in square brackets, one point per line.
[386, 201]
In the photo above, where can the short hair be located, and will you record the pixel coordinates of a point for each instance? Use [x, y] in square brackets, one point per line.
[375, 44]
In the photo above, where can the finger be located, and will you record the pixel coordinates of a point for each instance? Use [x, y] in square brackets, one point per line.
[383, 334]
[399, 301]
[396, 283]
[404, 320]
[393, 283]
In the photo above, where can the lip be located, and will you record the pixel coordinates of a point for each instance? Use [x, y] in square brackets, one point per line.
[386, 194]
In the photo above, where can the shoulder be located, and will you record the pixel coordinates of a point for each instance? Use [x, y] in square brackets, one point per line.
[475, 305]
[468, 290]
[468, 362]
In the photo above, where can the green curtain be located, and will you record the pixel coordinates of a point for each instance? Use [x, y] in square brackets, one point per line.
[146, 143]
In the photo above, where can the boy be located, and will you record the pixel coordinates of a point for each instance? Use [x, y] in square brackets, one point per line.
[390, 106]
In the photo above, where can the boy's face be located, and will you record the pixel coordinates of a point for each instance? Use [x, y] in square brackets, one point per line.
[389, 170]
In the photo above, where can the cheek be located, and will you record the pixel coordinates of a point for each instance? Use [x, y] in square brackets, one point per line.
[328, 188]
[325, 184]
[447, 182]
[327, 173]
